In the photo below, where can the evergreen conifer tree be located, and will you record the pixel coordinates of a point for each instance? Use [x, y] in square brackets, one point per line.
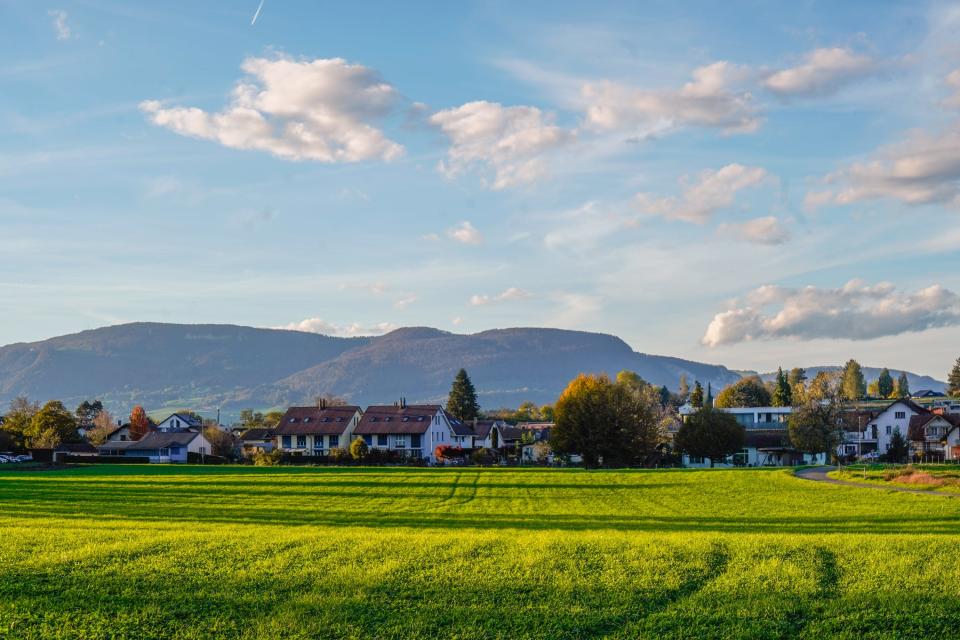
[462, 402]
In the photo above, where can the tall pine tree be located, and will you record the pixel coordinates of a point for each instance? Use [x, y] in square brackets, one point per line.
[462, 402]
[696, 396]
[781, 392]
[953, 380]
[903, 386]
[885, 384]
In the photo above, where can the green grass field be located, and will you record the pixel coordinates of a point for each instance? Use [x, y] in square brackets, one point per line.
[191, 552]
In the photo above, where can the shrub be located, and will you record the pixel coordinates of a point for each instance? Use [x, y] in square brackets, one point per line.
[339, 455]
[358, 448]
[264, 459]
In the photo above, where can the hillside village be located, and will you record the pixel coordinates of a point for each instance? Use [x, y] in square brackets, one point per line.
[750, 423]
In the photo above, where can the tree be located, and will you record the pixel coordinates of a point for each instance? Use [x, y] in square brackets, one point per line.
[825, 385]
[664, 394]
[358, 448]
[87, 411]
[797, 375]
[222, 443]
[953, 380]
[903, 386]
[101, 429]
[710, 433]
[50, 426]
[250, 419]
[899, 448]
[462, 402]
[815, 426]
[708, 401]
[17, 420]
[746, 392]
[683, 391]
[885, 384]
[782, 394]
[696, 396]
[139, 423]
[853, 384]
[607, 422]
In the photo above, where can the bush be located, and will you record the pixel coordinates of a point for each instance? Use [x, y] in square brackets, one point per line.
[483, 457]
[358, 448]
[339, 455]
[265, 459]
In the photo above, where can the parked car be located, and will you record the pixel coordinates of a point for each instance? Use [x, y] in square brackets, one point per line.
[871, 455]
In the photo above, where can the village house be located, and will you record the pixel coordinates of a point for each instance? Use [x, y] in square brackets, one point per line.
[257, 440]
[412, 431]
[879, 430]
[315, 430]
[120, 434]
[934, 436]
[169, 447]
[178, 422]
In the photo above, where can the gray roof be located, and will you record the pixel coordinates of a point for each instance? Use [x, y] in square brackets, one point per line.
[159, 440]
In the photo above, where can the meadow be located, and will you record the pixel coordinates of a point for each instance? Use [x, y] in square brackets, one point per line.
[240, 552]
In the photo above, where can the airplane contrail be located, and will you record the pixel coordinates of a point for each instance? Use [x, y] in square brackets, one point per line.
[257, 14]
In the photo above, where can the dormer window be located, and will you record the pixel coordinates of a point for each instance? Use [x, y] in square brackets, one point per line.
[373, 418]
[307, 419]
[293, 419]
[406, 418]
[387, 419]
[420, 419]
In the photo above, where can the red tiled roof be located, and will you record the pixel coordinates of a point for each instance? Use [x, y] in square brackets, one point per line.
[387, 419]
[918, 424]
[301, 421]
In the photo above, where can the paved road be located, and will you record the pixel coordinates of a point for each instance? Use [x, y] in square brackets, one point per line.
[819, 474]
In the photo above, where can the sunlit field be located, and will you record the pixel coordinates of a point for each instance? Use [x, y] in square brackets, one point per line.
[193, 552]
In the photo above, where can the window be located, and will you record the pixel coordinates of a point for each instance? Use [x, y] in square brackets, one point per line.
[400, 442]
[696, 460]
[307, 419]
[381, 440]
[415, 441]
[889, 430]
[369, 440]
[301, 442]
[318, 442]
[293, 419]
[164, 453]
[334, 441]
[286, 442]
[900, 415]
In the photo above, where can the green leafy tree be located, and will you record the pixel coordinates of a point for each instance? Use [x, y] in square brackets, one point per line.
[853, 384]
[816, 425]
[51, 425]
[358, 448]
[664, 394]
[798, 384]
[782, 394]
[616, 423]
[899, 447]
[746, 392]
[250, 419]
[462, 402]
[87, 411]
[903, 386]
[696, 396]
[17, 420]
[885, 384]
[953, 380]
[710, 433]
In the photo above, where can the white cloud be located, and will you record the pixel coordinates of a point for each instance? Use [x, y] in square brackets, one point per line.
[711, 99]
[575, 310]
[513, 293]
[465, 233]
[60, 25]
[855, 311]
[318, 110]
[953, 82]
[404, 301]
[582, 228]
[457, 321]
[711, 191]
[766, 230]
[921, 169]
[822, 72]
[510, 142]
[318, 325]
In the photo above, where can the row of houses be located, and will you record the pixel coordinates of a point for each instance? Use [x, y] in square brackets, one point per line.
[931, 434]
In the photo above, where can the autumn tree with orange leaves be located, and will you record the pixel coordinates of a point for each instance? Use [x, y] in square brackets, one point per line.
[139, 423]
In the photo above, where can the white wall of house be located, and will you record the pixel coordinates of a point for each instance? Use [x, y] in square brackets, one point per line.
[173, 423]
[896, 416]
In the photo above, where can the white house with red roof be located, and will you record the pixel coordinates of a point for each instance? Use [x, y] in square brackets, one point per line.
[413, 431]
[315, 430]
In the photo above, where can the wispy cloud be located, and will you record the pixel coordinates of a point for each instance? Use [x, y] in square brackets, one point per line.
[711, 191]
[60, 26]
[465, 233]
[513, 293]
[822, 72]
[319, 325]
[765, 230]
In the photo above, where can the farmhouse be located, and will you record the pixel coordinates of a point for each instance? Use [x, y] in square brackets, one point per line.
[413, 431]
[314, 431]
[935, 436]
[161, 447]
[879, 430]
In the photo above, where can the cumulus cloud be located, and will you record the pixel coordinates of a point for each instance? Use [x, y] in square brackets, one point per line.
[953, 82]
[465, 233]
[921, 169]
[513, 293]
[60, 26]
[710, 191]
[319, 325]
[822, 72]
[710, 99]
[855, 311]
[508, 142]
[766, 230]
[322, 110]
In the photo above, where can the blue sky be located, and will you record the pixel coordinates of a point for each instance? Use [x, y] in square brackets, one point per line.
[755, 184]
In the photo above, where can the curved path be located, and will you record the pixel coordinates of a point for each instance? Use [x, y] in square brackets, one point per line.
[819, 474]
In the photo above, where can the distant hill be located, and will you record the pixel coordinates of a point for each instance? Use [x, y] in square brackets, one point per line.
[917, 381]
[206, 366]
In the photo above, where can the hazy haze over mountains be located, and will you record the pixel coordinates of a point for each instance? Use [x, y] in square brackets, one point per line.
[203, 367]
